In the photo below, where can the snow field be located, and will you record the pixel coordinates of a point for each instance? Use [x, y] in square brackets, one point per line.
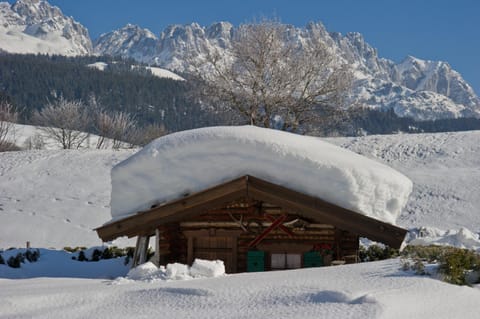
[369, 290]
[55, 198]
[39, 190]
[444, 168]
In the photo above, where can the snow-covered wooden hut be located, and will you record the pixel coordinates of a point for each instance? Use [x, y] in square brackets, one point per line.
[258, 199]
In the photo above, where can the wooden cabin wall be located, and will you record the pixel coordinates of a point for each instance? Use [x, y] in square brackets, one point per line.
[209, 231]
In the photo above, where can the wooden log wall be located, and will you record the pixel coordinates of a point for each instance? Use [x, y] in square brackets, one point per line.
[245, 221]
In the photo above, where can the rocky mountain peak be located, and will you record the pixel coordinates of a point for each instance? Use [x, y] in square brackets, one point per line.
[36, 11]
[135, 29]
[434, 76]
[219, 30]
[419, 88]
[130, 41]
[35, 26]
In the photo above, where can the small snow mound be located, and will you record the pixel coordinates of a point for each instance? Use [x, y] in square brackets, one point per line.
[200, 269]
[146, 271]
[177, 271]
[207, 268]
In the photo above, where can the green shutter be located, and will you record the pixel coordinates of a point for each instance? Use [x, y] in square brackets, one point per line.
[312, 259]
[255, 260]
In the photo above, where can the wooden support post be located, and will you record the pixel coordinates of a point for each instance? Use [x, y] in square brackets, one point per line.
[144, 250]
[338, 237]
[190, 250]
[156, 257]
[135, 253]
[141, 248]
[235, 254]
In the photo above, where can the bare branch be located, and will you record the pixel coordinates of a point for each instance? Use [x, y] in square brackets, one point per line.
[268, 74]
[65, 122]
[8, 116]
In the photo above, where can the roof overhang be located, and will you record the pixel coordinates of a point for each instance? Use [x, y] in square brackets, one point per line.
[257, 189]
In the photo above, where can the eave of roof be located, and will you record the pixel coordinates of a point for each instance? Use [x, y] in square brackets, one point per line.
[258, 189]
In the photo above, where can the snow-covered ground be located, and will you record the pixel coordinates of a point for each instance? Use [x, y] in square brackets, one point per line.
[444, 168]
[368, 290]
[156, 71]
[163, 73]
[54, 198]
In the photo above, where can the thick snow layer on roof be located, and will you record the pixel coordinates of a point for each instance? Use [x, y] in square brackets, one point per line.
[191, 161]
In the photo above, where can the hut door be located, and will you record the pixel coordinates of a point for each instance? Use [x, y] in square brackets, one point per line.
[213, 248]
[286, 261]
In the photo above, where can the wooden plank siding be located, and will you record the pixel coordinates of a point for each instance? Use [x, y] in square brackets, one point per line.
[231, 244]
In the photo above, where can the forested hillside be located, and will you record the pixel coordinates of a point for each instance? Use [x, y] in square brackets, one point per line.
[31, 81]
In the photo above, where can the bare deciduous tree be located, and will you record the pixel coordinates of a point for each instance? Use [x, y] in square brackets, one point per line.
[34, 142]
[8, 116]
[65, 122]
[117, 126]
[270, 75]
[143, 136]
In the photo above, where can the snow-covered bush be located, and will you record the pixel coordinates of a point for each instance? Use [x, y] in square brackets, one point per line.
[74, 249]
[31, 255]
[455, 265]
[376, 252]
[96, 255]
[15, 262]
[458, 264]
[417, 266]
[99, 253]
[81, 256]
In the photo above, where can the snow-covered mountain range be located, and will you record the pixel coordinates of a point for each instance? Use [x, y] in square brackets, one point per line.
[34, 26]
[418, 88]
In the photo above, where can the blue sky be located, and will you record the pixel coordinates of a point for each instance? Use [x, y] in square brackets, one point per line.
[445, 30]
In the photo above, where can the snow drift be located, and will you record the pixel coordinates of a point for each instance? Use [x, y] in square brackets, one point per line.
[200, 269]
[191, 161]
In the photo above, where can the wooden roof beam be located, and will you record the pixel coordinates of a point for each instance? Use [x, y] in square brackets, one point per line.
[254, 189]
[316, 208]
[175, 210]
